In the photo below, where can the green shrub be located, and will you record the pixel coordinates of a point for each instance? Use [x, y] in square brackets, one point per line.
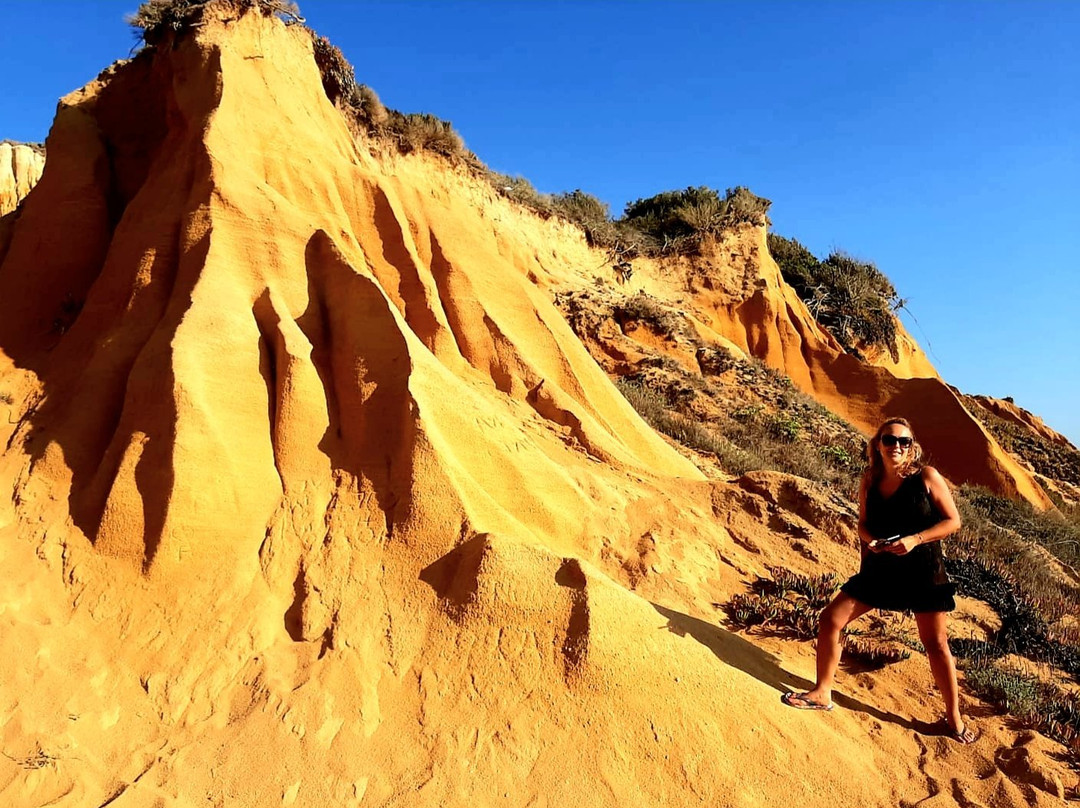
[817, 590]
[421, 131]
[776, 615]
[851, 299]
[1040, 705]
[838, 456]
[661, 216]
[785, 426]
[676, 221]
[741, 206]
[788, 604]
[588, 213]
[748, 414]
[797, 264]
[156, 19]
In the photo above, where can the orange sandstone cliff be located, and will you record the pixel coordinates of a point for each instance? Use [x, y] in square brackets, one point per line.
[20, 169]
[312, 497]
[1009, 411]
[733, 295]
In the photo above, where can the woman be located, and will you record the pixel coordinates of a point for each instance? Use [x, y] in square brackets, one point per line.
[905, 510]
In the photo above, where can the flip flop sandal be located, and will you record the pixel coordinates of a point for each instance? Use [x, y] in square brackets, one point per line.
[968, 735]
[800, 702]
[965, 736]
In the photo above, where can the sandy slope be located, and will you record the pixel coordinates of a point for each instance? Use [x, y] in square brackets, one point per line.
[315, 498]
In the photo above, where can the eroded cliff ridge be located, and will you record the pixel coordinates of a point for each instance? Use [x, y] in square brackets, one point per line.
[21, 165]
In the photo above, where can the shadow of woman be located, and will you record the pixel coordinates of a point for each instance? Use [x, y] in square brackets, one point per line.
[733, 650]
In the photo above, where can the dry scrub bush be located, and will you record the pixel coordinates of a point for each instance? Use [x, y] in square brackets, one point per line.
[588, 213]
[156, 19]
[366, 114]
[338, 77]
[679, 221]
[1049, 529]
[369, 108]
[421, 131]
[644, 308]
[520, 190]
[655, 411]
[799, 438]
[851, 299]
[795, 435]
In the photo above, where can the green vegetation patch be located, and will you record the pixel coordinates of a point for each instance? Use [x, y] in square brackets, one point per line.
[852, 299]
[788, 431]
[678, 221]
[687, 431]
[156, 19]
[1001, 559]
[1040, 705]
[1056, 532]
[790, 605]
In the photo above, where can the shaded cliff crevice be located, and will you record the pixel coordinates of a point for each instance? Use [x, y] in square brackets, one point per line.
[363, 358]
[419, 304]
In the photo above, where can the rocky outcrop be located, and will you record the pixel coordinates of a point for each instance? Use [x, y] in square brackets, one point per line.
[1009, 411]
[733, 296]
[21, 165]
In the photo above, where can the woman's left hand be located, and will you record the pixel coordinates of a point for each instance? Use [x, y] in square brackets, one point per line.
[903, 546]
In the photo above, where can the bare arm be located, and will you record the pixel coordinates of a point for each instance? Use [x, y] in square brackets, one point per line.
[942, 498]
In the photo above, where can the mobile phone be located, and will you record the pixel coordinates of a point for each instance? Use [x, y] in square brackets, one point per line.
[889, 540]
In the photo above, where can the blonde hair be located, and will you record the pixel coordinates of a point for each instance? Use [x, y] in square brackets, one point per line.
[875, 468]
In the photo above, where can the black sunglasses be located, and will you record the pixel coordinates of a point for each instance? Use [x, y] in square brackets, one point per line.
[893, 440]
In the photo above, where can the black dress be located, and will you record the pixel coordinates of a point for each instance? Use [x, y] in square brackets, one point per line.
[914, 582]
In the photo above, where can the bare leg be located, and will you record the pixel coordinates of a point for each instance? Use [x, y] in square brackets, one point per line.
[936, 641]
[837, 614]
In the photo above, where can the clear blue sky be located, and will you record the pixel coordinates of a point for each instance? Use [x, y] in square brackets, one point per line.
[938, 139]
